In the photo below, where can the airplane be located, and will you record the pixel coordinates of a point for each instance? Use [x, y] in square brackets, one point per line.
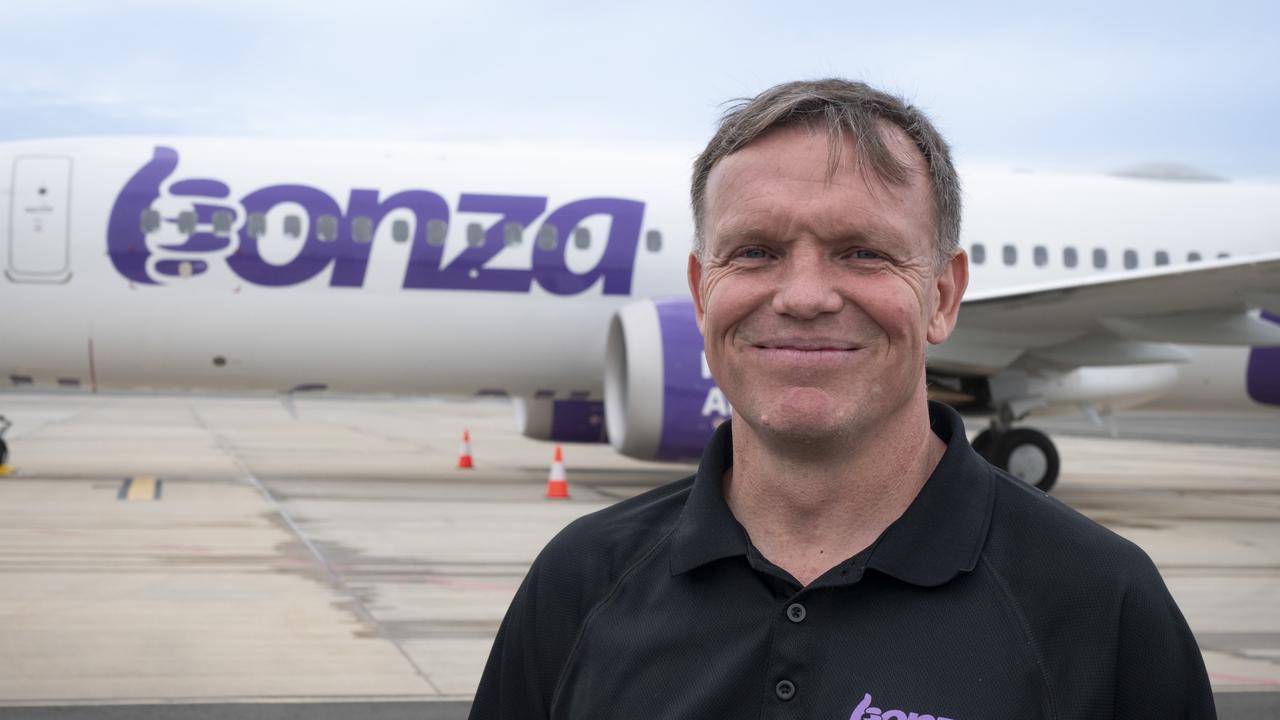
[556, 276]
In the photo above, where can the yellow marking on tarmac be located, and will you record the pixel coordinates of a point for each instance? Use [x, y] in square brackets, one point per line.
[141, 487]
[6, 470]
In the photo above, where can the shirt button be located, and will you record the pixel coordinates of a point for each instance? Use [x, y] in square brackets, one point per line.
[785, 690]
[795, 612]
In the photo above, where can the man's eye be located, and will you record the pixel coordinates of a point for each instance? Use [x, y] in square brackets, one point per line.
[753, 253]
[866, 255]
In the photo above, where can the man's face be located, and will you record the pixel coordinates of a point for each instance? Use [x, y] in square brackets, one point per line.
[817, 298]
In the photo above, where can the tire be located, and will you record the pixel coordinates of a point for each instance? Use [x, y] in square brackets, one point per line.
[4, 452]
[1028, 455]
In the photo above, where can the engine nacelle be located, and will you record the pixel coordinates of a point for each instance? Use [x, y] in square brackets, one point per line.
[561, 420]
[660, 400]
[1263, 380]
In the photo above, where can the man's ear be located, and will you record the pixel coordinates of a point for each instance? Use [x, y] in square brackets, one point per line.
[948, 285]
[695, 288]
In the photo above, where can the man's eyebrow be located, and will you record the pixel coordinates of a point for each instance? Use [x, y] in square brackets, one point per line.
[741, 232]
[876, 235]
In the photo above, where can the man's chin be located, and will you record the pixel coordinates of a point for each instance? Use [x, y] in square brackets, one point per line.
[807, 428]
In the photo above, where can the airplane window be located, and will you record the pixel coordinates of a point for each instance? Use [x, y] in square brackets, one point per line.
[1099, 258]
[362, 229]
[1041, 256]
[293, 226]
[581, 238]
[257, 224]
[1069, 257]
[513, 233]
[653, 241]
[475, 235]
[150, 221]
[1193, 257]
[1130, 259]
[327, 228]
[1010, 254]
[222, 222]
[547, 237]
[186, 222]
[978, 253]
[1162, 257]
[1224, 255]
[436, 232]
[400, 231]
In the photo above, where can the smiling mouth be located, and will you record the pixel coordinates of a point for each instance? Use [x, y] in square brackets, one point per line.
[806, 346]
[806, 355]
[806, 349]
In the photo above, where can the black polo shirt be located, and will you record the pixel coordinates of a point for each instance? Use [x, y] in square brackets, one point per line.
[986, 599]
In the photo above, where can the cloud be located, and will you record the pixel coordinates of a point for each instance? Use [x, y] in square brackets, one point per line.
[1079, 83]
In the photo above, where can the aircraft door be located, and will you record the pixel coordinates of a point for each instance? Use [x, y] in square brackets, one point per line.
[39, 227]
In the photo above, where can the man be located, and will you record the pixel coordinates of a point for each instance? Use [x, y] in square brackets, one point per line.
[841, 551]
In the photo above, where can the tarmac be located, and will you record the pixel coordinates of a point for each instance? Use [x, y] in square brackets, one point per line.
[205, 557]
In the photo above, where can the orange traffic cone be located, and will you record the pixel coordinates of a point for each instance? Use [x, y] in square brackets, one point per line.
[464, 454]
[557, 485]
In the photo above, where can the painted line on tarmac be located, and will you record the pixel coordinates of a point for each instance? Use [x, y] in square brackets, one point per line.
[140, 488]
[335, 578]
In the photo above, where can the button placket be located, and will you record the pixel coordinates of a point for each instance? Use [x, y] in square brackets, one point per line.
[787, 665]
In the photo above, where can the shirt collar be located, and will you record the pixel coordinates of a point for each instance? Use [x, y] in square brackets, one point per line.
[708, 531]
[940, 535]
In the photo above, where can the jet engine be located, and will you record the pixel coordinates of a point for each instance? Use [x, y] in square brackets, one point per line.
[569, 420]
[660, 400]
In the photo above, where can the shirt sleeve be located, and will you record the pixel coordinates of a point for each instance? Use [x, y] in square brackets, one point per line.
[533, 642]
[1160, 671]
[509, 688]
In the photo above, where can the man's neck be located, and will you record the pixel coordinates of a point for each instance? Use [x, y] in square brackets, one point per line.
[809, 511]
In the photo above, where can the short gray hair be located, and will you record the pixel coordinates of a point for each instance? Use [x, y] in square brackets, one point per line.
[840, 106]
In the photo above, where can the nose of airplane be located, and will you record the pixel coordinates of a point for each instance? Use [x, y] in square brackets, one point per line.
[1264, 371]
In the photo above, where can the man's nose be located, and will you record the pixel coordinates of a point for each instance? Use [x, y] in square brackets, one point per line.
[807, 288]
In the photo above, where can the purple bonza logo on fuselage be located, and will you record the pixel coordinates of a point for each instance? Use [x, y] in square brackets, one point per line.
[127, 236]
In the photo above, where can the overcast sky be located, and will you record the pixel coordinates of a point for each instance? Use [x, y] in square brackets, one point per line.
[1082, 86]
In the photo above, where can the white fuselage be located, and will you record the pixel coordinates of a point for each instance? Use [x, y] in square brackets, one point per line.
[214, 315]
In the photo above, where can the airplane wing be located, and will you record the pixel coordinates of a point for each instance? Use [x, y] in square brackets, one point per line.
[1136, 318]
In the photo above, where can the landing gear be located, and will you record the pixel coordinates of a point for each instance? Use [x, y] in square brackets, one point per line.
[1023, 452]
[4, 448]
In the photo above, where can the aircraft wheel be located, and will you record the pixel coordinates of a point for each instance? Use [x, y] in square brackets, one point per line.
[1028, 455]
[983, 443]
[4, 451]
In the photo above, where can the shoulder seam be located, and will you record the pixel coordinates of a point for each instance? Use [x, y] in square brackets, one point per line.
[1012, 604]
[595, 609]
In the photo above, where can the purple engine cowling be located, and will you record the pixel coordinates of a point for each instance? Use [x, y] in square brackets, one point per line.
[1263, 379]
[580, 421]
[660, 400]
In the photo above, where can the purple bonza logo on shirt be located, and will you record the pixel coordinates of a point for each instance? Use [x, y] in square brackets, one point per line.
[865, 711]
[148, 245]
